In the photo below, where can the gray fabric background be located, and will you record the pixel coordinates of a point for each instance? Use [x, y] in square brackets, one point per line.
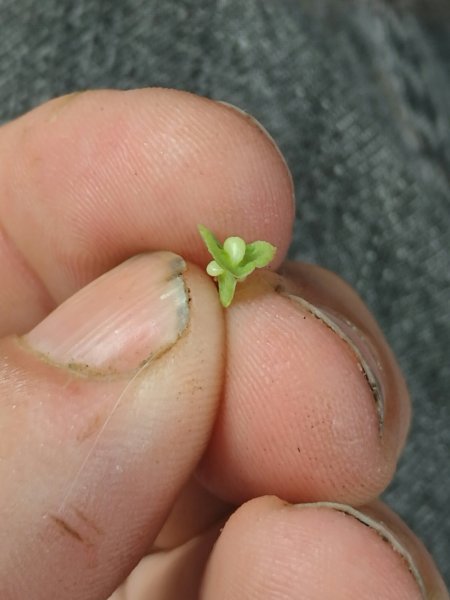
[357, 94]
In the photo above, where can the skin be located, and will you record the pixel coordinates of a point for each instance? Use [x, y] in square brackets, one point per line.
[245, 401]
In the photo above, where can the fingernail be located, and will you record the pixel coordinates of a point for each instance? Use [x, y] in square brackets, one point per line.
[381, 529]
[119, 321]
[251, 119]
[57, 105]
[360, 346]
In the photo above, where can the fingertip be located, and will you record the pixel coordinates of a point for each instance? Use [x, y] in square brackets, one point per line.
[298, 418]
[107, 409]
[269, 548]
[97, 176]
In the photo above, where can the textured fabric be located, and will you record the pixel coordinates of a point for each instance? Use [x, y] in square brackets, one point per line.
[357, 94]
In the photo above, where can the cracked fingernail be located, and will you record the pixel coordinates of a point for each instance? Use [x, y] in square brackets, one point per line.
[119, 321]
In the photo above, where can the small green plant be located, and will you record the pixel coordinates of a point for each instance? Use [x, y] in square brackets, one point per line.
[234, 261]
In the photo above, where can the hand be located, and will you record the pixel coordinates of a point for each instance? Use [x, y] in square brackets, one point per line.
[112, 399]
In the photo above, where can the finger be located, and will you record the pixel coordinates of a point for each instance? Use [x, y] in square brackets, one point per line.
[315, 406]
[90, 179]
[173, 574]
[106, 407]
[178, 555]
[270, 549]
[194, 511]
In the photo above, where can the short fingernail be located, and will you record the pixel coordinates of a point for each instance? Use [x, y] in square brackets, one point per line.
[251, 119]
[119, 321]
[57, 105]
[382, 530]
[362, 349]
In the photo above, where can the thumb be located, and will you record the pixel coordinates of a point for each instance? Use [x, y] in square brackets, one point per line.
[105, 409]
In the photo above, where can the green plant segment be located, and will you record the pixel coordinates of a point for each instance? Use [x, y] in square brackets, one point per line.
[234, 261]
